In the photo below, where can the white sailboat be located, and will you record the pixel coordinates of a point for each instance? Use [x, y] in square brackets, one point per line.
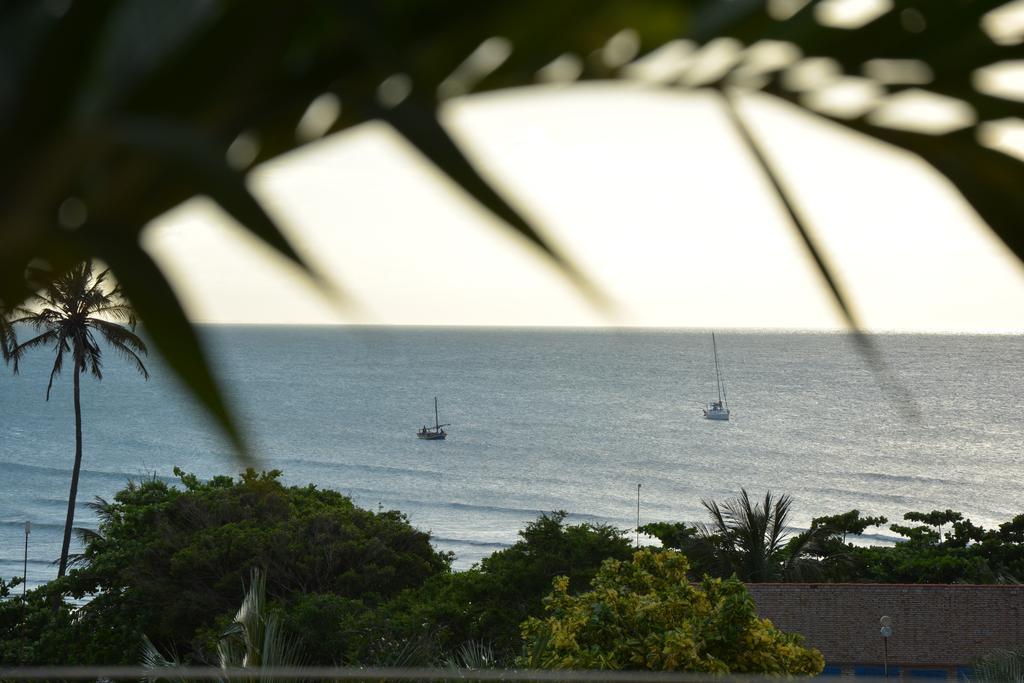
[717, 410]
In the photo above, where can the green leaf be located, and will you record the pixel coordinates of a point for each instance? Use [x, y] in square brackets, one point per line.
[419, 125]
[62, 50]
[196, 158]
[864, 343]
[949, 38]
[794, 216]
[172, 334]
[989, 180]
[178, 95]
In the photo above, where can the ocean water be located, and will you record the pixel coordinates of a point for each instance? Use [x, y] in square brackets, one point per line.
[541, 420]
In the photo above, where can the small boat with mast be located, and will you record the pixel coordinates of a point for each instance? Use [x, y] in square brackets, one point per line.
[435, 433]
[717, 410]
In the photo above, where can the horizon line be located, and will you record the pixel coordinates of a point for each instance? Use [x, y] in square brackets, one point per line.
[1008, 332]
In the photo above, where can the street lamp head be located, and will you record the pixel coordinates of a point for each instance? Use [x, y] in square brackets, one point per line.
[28, 527]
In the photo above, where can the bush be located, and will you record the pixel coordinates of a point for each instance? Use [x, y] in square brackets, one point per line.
[645, 614]
[489, 602]
[172, 563]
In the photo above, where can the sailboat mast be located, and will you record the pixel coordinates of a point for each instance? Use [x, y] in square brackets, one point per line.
[725, 400]
[437, 422]
[718, 375]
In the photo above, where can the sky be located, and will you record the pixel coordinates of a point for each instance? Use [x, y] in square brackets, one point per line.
[649, 191]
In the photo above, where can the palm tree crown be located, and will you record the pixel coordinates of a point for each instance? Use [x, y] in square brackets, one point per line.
[750, 537]
[72, 314]
[255, 639]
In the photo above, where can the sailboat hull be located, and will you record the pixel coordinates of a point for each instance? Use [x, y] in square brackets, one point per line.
[716, 414]
[435, 433]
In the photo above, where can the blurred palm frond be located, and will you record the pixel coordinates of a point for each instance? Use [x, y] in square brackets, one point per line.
[113, 112]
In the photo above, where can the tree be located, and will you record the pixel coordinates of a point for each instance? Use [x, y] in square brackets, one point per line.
[846, 523]
[254, 639]
[489, 602]
[966, 554]
[71, 312]
[823, 552]
[700, 551]
[999, 666]
[7, 338]
[677, 535]
[749, 539]
[935, 518]
[6, 586]
[169, 561]
[820, 553]
[645, 614]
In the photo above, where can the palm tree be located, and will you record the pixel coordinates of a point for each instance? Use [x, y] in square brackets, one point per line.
[750, 539]
[7, 339]
[69, 314]
[999, 665]
[254, 640]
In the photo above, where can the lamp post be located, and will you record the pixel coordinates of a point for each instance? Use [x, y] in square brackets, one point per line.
[24, 570]
[23, 640]
[638, 516]
[886, 631]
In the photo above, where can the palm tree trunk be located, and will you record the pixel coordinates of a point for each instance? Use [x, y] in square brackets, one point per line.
[69, 523]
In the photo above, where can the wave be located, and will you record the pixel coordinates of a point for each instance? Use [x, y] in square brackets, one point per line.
[120, 476]
[465, 541]
[519, 512]
[885, 538]
[20, 524]
[888, 498]
[487, 508]
[20, 561]
[405, 504]
[905, 478]
[410, 505]
[586, 517]
[363, 467]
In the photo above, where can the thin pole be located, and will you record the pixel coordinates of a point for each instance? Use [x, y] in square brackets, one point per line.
[24, 570]
[437, 421]
[885, 658]
[638, 516]
[23, 641]
[718, 374]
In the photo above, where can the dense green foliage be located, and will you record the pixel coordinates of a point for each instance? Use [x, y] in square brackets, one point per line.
[965, 553]
[645, 614]
[490, 601]
[749, 540]
[171, 563]
[943, 547]
[999, 666]
[253, 640]
[357, 587]
[6, 586]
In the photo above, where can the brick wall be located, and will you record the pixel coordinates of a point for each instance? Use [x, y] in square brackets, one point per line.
[933, 625]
